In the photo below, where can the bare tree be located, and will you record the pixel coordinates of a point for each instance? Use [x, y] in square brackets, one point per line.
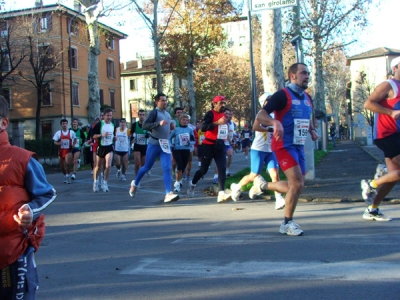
[363, 90]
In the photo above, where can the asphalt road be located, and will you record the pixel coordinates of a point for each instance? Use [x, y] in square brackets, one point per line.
[110, 246]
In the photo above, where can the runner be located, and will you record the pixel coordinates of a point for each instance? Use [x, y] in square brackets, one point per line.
[261, 153]
[104, 131]
[193, 149]
[181, 139]
[247, 134]
[139, 139]
[65, 139]
[122, 134]
[160, 123]
[76, 150]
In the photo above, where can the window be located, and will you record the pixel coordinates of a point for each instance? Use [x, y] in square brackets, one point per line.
[101, 97]
[132, 84]
[6, 93]
[154, 83]
[75, 93]
[44, 23]
[3, 29]
[112, 99]
[46, 94]
[74, 26]
[5, 62]
[110, 68]
[110, 42]
[47, 130]
[45, 55]
[74, 60]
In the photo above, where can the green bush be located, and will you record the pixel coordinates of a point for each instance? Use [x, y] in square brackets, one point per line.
[44, 148]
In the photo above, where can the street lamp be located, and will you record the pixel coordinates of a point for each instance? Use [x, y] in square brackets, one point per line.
[70, 56]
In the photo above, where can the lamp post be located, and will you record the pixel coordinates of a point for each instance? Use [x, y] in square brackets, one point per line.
[252, 69]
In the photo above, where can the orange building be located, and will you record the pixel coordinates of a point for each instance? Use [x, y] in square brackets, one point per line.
[48, 27]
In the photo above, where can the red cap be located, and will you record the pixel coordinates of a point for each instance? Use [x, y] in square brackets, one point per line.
[219, 98]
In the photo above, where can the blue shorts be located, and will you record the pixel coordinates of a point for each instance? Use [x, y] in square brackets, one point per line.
[291, 156]
[258, 158]
[227, 147]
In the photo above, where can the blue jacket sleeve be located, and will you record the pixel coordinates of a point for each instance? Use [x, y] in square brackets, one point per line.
[42, 194]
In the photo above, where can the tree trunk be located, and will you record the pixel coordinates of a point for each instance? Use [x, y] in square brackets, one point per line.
[192, 100]
[93, 81]
[156, 40]
[318, 78]
[271, 53]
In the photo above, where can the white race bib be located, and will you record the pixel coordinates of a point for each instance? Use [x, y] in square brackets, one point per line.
[184, 139]
[222, 132]
[247, 135]
[140, 139]
[64, 144]
[164, 144]
[300, 131]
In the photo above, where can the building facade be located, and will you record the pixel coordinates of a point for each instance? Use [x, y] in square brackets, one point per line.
[55, 40]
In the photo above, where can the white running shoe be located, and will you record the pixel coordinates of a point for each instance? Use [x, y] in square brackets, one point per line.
[235, 191]
[190, 191]
[171, 197]
[123, 177]
[375, 215]
[73, 176]
[104, 186]
[65, 179]
[279, 201]
[95, 186]
[381, 170]
[133, 189]
[367, 192]
[177, 187]
[291, 228]
[69, 178]
[118, 173]
[79, 164]
[256, 188]
[223, 197]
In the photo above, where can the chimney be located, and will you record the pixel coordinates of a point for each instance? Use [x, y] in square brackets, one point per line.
[140, 62]
[38, 3]
[77, 6]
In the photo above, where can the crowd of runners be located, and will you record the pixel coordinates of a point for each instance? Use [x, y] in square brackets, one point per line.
[275, 140]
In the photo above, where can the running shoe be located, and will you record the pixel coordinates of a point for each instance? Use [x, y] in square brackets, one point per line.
[133, 189]
[215, 180]
[69, 179]
[190, 191]
[223, 197]
[380, 171]
[171, 197]
[73, 176]
[256, 188]
[177, 187]
[95, 186]
[65, 179]
[79, 164]
[187, 178]
[279, 202]
[184, 176]
[123, 177]
[367, 192]
[235, 191]
[104, 186]
[291, 228]
[118, 173]
[375, 215]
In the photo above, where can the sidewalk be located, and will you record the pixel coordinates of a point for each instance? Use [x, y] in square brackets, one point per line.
[339, 174]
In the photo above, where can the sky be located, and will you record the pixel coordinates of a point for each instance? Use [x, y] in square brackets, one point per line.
[380, 33]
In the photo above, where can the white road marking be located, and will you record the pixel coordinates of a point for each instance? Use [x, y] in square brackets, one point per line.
[308, 270]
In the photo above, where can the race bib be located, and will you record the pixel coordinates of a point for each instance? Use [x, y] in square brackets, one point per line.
[202, 137]
[164, 144]
[64, 144]
[247, 135]
[78, 143]
[300, 131]
[107, 140]
[222, 132]
[140, 139]
[184, 139]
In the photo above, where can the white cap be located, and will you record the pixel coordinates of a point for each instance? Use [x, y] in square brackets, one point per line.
[394, 62]
[264, 97]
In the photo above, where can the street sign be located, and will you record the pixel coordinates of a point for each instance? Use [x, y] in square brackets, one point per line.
[260, 5]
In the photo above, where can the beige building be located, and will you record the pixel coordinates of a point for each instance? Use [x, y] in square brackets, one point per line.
[367, 70]
[65, 90]
[139, 86]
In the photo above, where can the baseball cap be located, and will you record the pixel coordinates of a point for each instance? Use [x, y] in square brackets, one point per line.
[264, 97]
[219, 98]
[97, 117]
[395, 62]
